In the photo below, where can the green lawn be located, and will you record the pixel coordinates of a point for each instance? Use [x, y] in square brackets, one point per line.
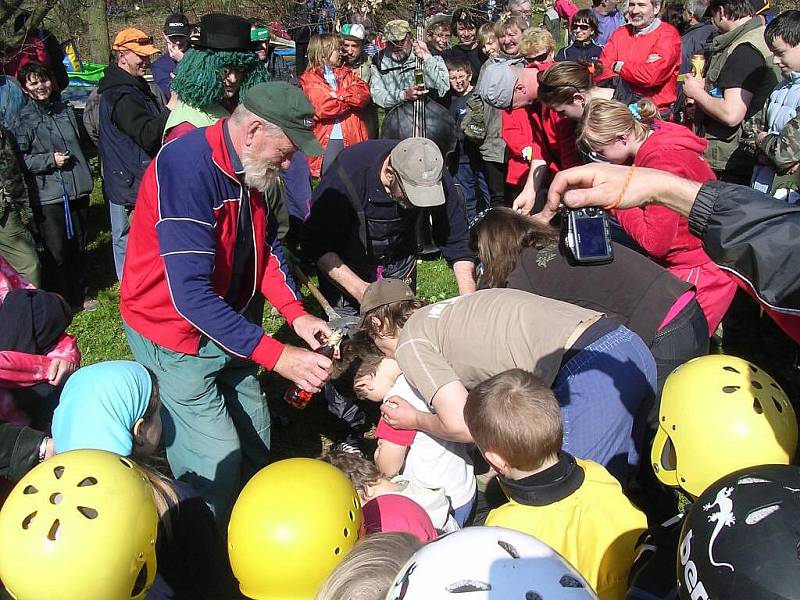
[100, 337]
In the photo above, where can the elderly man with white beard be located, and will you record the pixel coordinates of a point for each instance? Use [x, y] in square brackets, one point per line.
[202, 247]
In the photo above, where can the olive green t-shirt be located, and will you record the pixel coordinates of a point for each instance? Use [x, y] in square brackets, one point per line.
[471, 338]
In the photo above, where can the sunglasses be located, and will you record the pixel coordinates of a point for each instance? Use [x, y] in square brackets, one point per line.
[539, 58]
[582, 26]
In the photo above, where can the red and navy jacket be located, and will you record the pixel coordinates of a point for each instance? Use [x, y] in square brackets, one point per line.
[176, 285]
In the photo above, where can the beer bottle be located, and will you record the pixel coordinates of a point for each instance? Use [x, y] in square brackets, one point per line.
[297, 396]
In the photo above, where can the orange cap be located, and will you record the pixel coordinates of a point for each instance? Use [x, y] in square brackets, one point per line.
[135, 40]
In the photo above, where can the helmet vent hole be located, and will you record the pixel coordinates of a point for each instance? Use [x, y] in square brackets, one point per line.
[29, 489]
[532, 596]
[351, 515]
[87, 482]
[52, 535]
[26, 522]
[512, 552]
[56, 498]
[731, 369]
[337, 551]
[753, 368]
[87, 512]
[141, 581]
[355, 502]
[730, 389]
[568, 581]
[757, 407]
[778, 405]
[58, 472]
[346, 532]
[126, 462]
[775, 385]
[757, 385]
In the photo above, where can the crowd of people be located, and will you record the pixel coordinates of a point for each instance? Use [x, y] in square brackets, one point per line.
[562, 428]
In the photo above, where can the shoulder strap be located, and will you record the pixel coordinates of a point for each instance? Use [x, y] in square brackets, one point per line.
[355, 201]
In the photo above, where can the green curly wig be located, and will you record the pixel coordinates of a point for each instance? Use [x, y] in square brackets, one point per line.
[198, 80]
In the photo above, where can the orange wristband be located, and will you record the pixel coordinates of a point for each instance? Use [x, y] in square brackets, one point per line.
[616, 202]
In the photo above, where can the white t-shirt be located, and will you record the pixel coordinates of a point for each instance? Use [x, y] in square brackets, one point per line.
[431, 461]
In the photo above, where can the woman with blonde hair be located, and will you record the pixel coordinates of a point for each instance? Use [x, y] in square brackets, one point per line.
[338, 95]
[634, 135]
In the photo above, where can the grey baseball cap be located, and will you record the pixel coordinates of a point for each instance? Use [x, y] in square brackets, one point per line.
[418, 162]
[496, 83]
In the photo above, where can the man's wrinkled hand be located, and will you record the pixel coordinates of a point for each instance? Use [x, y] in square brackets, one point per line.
[307, 369]
[311, 329]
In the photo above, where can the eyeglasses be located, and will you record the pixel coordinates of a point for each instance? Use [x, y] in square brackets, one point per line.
[459, 78]
[581, 26]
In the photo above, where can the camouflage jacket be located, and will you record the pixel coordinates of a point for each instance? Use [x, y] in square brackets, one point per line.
[13, 192]
[390, 80]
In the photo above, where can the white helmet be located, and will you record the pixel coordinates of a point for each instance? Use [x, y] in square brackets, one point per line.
[485, 563]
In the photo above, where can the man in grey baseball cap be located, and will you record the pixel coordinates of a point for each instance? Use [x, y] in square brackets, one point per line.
[507, 84]
[362, 228]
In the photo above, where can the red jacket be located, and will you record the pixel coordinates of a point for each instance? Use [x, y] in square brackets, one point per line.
[657, 80]
[179, 266]
[664, 234]
[518, 135]
[554, 139]
[352, 94]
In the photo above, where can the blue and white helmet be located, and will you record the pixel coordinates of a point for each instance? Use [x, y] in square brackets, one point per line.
[483, 563]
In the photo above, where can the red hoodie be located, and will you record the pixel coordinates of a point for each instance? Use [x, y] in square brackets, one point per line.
[664, 234]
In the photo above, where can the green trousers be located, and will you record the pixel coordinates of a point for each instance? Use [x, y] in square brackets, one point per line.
[18, 247]
[216, 419]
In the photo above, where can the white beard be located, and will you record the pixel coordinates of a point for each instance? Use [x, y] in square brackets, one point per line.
[259, 174]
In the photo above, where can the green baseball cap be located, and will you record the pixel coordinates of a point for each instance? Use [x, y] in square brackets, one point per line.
[287, 107]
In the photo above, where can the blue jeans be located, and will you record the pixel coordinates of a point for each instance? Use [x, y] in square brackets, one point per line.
[605, 391]
[120, 228]
[471, 178]
[462, 513]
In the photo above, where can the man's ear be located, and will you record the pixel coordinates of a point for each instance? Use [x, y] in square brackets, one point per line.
[137, 432]
[497, 462]
[250, 131]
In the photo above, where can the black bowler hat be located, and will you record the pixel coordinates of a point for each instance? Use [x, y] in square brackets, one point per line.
[224, 32]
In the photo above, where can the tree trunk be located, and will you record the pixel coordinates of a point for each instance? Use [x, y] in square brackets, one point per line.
[100, 49]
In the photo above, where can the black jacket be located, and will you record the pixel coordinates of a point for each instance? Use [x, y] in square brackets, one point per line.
[632, 289]
[754, 236]
[334, 226]
[19, 450]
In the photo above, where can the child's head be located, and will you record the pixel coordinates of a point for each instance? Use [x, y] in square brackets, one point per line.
[515, 421]
[111, 406]
[725, 403]
[584, 25]
[783, 38]
[368, 571]
[375, 377]
[487, 39]
[354, 352]
[609, 128]
[362, 472]
[460, 72]
[537, 46]
[566, 87]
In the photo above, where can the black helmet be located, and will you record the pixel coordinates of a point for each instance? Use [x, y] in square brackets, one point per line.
[741, 538]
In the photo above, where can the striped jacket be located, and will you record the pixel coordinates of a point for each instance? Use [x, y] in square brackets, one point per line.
[176, 285]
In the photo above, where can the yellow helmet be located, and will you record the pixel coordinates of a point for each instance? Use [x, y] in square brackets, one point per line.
[81, 523]
[719, 414]
[294, 521]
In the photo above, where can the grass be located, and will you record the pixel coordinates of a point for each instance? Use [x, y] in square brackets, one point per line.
[101, 337]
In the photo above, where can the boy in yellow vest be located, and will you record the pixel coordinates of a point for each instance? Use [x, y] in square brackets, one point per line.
[573, 505]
